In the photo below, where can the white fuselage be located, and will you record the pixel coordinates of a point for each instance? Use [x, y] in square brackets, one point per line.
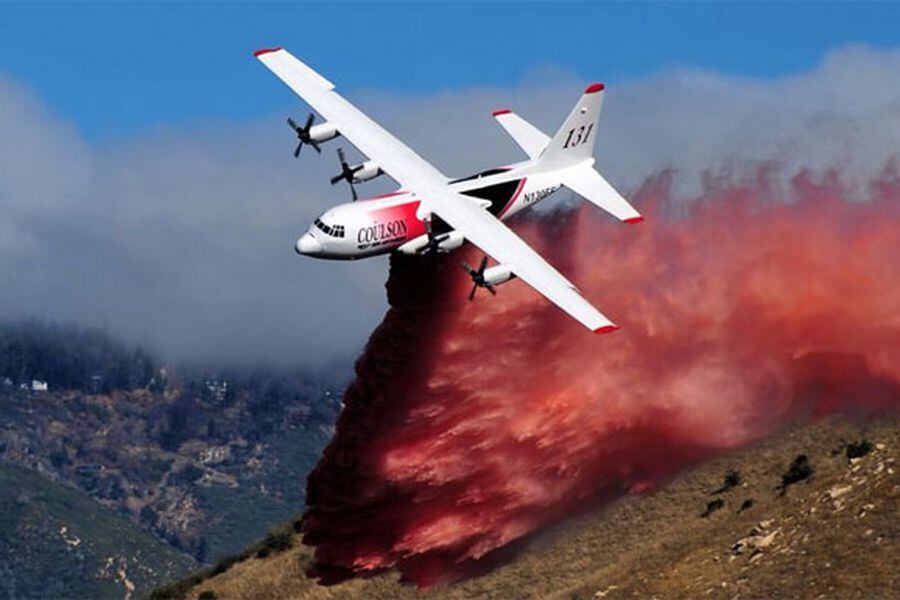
[385, 223]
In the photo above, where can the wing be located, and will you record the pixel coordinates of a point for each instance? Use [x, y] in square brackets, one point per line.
[430, 185]
[394, 157]
[488, 233]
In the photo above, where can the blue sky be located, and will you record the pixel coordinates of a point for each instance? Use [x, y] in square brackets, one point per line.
[116, 68]
[174, 206]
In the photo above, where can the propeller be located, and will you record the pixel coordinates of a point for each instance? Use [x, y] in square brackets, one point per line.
[303, 134]
[477, 276]
[346, 173]
[433, 246]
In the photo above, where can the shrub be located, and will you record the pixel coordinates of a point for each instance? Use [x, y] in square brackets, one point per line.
[278, 540]
[732, 479]
[713, 506]
[799, 470]
[223, 565]
[859, 449]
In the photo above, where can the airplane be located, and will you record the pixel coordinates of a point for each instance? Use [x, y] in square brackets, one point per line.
[432, 213]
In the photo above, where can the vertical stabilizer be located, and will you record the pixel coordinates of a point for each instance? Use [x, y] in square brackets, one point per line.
[570, 153]
[574, 142]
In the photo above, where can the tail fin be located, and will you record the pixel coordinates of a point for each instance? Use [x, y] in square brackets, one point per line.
[574, 142]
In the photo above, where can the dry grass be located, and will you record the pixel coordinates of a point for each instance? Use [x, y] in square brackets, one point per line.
[837, 535]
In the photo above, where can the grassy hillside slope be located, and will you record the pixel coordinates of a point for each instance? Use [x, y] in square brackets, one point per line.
[58, 543]
[834, 532]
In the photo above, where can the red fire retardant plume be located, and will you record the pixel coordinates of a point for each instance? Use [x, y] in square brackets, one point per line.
[472, 425]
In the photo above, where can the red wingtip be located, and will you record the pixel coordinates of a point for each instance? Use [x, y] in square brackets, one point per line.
[634, 220]
[594, 87]
[606, 329]
[262, 51]
[502, 111]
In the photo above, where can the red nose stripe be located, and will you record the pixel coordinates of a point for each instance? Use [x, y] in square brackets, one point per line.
[634, 220]
[502, 111]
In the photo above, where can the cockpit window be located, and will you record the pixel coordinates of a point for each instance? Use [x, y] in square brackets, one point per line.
[336, 231]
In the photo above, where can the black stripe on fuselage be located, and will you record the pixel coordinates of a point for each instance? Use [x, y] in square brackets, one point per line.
[498, 194]
[488, 173]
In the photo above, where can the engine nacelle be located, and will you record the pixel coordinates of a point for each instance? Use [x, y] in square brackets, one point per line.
[498, 274]
[416, 245]
[369, 170]
[454, 240]
[413, 246]
[323, 132]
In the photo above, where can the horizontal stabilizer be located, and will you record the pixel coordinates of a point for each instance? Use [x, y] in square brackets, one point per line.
[531, 139]
[590, 185]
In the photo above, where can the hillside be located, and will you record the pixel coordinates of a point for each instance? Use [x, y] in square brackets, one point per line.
[59, 543]
[203, 470]
[728, 529]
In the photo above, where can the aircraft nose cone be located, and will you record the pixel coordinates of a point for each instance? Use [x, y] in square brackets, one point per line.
[307, 244]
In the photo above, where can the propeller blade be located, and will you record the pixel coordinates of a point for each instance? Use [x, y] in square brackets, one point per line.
[303, 134]
[340, 152]
[478, 277]
[353, 191]
[336, 178]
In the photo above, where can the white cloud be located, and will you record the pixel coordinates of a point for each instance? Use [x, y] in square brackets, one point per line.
[183, 237]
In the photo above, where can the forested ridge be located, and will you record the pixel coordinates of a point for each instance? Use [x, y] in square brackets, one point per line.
[68, 356]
